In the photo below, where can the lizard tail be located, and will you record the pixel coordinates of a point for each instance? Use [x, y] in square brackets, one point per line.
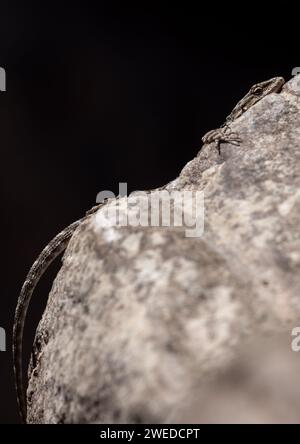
[47, 256]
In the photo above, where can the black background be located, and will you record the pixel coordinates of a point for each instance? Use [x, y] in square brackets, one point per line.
[97, 96]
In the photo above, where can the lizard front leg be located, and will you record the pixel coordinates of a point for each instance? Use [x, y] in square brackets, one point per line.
[221, 135]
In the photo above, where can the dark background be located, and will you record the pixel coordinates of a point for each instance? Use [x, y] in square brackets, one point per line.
[96, 97]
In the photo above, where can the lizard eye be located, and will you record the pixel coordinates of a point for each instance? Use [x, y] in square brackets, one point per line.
[257, 90]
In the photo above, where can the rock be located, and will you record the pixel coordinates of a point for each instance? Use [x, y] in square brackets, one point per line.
[140, 318]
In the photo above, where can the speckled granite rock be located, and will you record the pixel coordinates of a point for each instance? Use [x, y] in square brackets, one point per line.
[138, 317]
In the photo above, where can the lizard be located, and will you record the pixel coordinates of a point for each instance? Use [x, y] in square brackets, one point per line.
[254, 95]
[59, 243]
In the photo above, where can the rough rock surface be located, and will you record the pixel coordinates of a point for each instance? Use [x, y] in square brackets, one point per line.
[140, 318]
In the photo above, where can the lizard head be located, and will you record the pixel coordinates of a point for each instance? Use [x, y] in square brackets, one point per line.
[255, 94]
[267, 87]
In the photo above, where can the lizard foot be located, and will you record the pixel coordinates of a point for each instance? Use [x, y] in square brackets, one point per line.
[221, 135]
